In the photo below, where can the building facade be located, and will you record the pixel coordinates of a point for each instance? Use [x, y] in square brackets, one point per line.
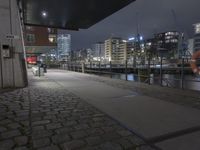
[115, 49]
[40, 40]
[64, 46]
[98, 51]
[196, 37]
[168, 41]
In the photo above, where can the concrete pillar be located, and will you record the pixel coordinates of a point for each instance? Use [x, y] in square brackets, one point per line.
[12, 68]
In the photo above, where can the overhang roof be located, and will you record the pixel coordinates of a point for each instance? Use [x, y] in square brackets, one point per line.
[69, 14]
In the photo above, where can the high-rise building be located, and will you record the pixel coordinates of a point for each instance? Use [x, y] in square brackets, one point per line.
[115, 49]
[64, 46]
[98, 51]
[196, 37]
[168, 41]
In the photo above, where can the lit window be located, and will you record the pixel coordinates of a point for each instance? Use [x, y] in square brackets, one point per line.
[52, 38]
[197, 28]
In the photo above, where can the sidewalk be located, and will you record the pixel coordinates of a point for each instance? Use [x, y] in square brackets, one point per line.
[47, 116]
[168, 118]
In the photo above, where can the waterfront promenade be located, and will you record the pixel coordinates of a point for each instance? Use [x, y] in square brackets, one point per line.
[68, 110]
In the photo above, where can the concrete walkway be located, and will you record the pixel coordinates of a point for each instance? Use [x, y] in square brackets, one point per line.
[168, 118]
[48, 116]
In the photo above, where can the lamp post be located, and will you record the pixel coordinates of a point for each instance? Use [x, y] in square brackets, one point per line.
[161, 53]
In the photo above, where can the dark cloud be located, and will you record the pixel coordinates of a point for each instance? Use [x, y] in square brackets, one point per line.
[154, 16]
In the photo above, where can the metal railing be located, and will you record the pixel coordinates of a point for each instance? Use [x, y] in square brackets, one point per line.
[108, 70]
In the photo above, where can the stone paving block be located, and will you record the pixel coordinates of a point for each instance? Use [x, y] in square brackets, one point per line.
[95, 131]
[10, 134]
[60, 138]
[41, 142]
[52, 147]
[108, 128]
[21, 140]
[125, 144]
[70, 123]
[6, 144]
[145, 148]
[42, 122]
[5, 122]
[2, 129]
[64, 130]
[24, 123]
[74, 145]
[81, 126]
[53, 126]
[78, 134]
[21, 148]
[94, 140]
[14, 125]
[110, 136]
[37, 128]
[41, 134]
[110, 146]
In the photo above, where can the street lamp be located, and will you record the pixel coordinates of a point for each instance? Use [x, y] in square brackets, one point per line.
[44, 14]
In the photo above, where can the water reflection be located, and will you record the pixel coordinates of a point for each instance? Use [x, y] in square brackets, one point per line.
[190, 81]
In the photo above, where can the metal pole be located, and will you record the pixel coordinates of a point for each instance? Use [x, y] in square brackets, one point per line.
[149, 70]
[182, 73]
[161, 76]
[99, 66]
[126, 64]
[110, 69]
[39, 71]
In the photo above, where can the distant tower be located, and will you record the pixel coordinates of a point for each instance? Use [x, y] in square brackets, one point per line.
[64, 46]
[196, 37]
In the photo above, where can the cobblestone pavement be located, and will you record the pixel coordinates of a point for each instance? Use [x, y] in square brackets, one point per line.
[45, 116]
[187, 98]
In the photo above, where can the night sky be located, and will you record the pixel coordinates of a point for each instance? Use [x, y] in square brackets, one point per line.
[153, 16]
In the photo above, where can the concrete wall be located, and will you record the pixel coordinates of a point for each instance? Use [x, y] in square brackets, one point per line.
[12, 70]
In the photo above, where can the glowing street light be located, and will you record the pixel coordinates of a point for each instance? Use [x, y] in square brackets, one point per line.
[44, 14]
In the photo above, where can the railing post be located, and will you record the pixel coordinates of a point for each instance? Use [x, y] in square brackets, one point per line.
[149, 69]
[182, 73]
[126, 65]
[99, 66]
[110, 69]
[161, 75]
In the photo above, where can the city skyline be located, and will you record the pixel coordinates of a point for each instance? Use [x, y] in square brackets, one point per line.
[153, 17]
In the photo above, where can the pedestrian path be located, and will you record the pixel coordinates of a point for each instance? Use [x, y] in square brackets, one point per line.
[49, 116]
[168, 118]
